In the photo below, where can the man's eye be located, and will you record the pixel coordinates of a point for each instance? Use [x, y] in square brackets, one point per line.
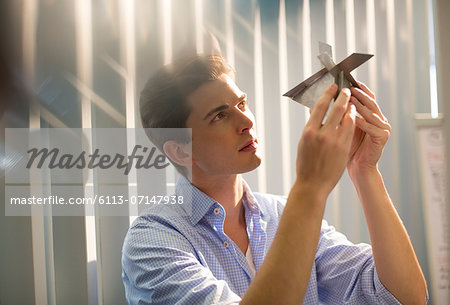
[218, 116]
[242, 105]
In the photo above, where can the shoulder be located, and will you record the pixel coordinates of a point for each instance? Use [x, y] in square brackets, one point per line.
[158, 231]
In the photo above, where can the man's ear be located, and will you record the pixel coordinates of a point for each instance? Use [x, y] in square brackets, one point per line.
[179, 153]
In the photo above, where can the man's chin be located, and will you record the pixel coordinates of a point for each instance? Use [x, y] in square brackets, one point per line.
[252, 165]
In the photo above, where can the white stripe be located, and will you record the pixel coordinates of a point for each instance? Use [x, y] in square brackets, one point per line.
[199, 26]
[40, 274]
[434, 105]
[170, 180]
[371, 43]
[350, 28]
[229, 32]
[29, 22]
[284, 106]
[307, 68]
[83, 82]
[259, 101]
[168, 53]
[410, 42]
[391, 29]
[44, 288]
[350, 25]
[128, 57]
[330, 34]
[351, 46]
[167, 30]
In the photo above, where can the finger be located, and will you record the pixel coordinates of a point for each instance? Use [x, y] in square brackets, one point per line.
[367, 90]
[348, 124]
[371, 130]
[367, 101]
[321, 107]
[368, 115]
[338, 109]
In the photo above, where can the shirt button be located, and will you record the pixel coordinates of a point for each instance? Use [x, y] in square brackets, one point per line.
[216, 211]
[225, 243]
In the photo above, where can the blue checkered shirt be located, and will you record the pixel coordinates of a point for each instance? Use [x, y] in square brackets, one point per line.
[179, 254]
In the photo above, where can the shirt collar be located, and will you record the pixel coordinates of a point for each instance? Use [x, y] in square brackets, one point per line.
[250, 201]
[198, 204]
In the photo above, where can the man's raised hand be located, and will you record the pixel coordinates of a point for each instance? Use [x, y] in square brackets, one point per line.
[323, 150]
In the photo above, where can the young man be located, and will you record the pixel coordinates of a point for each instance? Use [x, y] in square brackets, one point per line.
[242, 247]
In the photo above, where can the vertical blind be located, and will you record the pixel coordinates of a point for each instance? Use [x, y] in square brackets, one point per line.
[86, 62]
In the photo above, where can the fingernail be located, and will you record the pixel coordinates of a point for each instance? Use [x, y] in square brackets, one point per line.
[346, 91]
[333, 86]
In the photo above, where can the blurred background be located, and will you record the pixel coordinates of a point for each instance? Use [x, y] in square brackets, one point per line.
[82, 64]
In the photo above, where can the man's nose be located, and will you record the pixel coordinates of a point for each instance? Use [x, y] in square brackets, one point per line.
[246, 121]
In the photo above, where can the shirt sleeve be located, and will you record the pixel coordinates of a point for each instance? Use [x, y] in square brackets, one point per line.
[159, 267]
[346, 272]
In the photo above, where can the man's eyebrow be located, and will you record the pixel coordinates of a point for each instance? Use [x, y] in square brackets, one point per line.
[223, 107]
[243, 97]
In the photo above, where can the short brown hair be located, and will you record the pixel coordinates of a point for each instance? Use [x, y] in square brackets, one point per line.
[163, 101]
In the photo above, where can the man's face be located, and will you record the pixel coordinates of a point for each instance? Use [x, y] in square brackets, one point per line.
[223, 136]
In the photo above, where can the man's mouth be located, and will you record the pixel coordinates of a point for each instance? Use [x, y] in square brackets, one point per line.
[251, 145]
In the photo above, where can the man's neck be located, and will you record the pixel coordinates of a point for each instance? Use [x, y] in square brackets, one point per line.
[228, 191]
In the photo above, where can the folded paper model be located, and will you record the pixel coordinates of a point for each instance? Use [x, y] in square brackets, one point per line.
[309, 91]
